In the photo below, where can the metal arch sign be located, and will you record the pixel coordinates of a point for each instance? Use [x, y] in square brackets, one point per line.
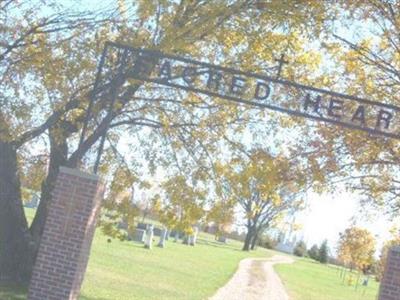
[248, 88]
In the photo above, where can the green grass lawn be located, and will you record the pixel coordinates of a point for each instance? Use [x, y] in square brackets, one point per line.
[309, 280]
[125, 270]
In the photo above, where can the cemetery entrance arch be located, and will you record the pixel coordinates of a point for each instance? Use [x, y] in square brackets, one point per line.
[119, 63]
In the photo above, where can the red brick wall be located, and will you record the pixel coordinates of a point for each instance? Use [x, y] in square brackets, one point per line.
[390, 285]
[65, 246]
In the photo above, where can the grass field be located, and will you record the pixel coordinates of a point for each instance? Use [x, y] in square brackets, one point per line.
[309, 280]
[125, 270]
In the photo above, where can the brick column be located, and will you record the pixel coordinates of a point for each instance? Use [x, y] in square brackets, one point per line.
[68, 233]
[390, 285]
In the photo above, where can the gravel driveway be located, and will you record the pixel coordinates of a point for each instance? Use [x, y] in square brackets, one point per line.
[255, 279]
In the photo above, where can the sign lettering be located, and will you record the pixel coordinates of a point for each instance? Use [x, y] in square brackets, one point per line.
[259, 90]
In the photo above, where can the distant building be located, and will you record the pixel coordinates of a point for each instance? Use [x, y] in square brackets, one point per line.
[288, 236]
[286, 243]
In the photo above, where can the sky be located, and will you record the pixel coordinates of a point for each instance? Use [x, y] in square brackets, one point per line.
[330, 214]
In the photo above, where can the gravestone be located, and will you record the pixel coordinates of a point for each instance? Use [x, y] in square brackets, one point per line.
[68, 233]
[192, 238]
[176, 236]
[122, 225]
[142, 226]
[149, 237]
[195, 235]
[390, 285]
[222, 239]
[163, 238]
[139, 235]
[157, 231]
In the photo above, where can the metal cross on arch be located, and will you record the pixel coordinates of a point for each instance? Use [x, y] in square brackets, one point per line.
[119, 63]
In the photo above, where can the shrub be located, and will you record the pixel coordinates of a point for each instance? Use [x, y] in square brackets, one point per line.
[314, 252]
[300, 249]
[268, 242]
[323, 252]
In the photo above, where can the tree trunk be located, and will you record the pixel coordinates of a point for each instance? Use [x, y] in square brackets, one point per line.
[247, 240]
[15, 252]
[38, 222]
[58, 158]
[176, 236]
[254, 240]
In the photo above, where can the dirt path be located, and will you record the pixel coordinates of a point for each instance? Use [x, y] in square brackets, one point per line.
[255, 279]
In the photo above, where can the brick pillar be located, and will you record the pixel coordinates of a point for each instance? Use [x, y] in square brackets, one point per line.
[68, 233]
[390, 285]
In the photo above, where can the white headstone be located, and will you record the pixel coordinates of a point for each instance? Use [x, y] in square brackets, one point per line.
[163, 238]
[193, 239]
[149, 237]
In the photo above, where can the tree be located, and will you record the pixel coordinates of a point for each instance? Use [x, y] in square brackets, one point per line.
[300, 249]
[268, 242]
[222, 215]
[264, 186]
[31, 45]
[183, 206]
[356, 248]
[367, 66]
[313, 252]
[118, 207]
[47, 66]
[323, 253]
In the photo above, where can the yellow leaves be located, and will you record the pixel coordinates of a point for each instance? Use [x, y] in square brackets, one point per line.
[118, 205]
[317, 173]
[157, 204]
[233, 39]
[356, 247]
[310, 58]
[221, 213]
[121, 184]
[146, 8]
[333, 48]
[276, 199]
[351, 62]
[184, 206]
[378, 186]
[122, 8]
[286, 122]
[35, 172]
[262, 181]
